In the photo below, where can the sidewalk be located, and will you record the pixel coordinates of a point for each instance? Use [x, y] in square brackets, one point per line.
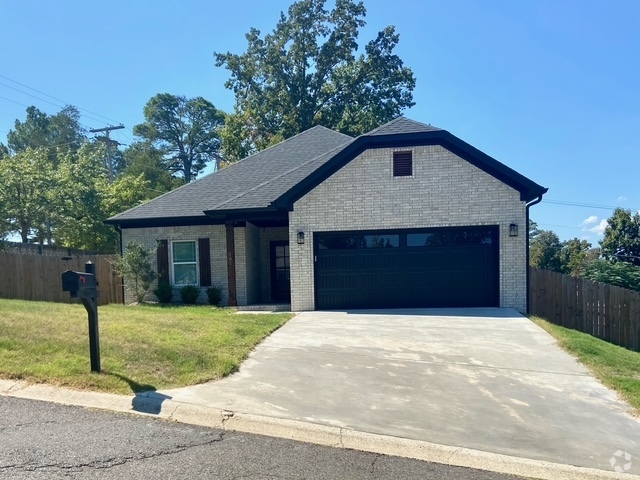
[164, 407]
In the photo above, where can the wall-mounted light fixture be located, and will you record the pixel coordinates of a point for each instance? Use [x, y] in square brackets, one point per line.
[513, 230]
[300, 238]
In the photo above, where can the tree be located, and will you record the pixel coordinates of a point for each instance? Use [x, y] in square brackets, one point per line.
[621, 242]
[142, 158]
[621, 274]
[534, 231]
[135, 268]
[574, 256]
[185, 130]
[544, 251]
[27, 198]
[306, 73]
[62, 131]
[87, 198]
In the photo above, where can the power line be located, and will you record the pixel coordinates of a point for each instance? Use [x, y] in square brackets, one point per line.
[13, 101]
[585, 205]
[58, 99]
[51, 103]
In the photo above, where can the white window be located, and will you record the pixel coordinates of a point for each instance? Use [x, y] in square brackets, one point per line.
[184, 260]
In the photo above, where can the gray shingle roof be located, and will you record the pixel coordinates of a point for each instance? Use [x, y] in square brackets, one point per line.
[287, 170]
[401, 125]
[253, 182]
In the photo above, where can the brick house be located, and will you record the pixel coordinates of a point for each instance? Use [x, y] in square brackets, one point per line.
[407, 215]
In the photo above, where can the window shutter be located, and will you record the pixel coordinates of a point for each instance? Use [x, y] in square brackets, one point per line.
[402, 164]
[163, 261]
[204, 257]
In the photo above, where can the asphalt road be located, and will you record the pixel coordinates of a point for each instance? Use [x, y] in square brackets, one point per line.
[41, 440]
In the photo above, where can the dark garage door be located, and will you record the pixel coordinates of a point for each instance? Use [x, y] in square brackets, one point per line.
[453, 267]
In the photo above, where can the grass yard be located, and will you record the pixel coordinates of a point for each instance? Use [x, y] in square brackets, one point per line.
[142, 347]
[616, 367]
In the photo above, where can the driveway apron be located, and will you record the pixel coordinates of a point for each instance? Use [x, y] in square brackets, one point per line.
[487, 379]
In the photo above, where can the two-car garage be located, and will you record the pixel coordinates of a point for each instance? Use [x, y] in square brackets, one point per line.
[437, 267]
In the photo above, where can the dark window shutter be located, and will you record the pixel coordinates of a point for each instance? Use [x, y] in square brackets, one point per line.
[204, 257]
[402, 164]
[163, 261]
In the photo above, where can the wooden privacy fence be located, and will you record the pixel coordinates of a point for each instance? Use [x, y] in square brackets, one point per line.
[38, 277]
[604, 311]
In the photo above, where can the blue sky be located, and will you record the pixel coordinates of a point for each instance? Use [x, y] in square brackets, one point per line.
[549, 87]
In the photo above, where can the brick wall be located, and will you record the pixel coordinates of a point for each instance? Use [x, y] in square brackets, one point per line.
[444, 190]
[149, 237]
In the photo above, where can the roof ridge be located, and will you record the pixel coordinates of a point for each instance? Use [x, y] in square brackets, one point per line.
[280, 143]
[405, 125]
[390, 122]
[291, 170]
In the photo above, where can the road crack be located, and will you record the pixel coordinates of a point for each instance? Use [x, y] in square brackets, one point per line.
[103, 464]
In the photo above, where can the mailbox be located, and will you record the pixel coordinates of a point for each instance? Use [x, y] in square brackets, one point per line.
[80, 284]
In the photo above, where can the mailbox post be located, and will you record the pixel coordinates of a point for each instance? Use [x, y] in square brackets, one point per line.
[83, 285]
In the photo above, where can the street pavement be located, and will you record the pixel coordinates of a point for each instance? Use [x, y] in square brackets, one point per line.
[41, 440]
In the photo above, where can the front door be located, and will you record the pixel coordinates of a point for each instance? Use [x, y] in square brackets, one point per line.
[280, 279]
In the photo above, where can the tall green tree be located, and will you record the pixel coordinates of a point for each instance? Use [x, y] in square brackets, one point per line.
[59, 132]
[186, 130]
[574, 256]
[27, 194]
[142, 158]
[87, 198]
[308, 72]
[544, 251]
[621, 242]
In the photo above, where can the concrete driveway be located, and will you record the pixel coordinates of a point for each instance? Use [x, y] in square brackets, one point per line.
[486, 379]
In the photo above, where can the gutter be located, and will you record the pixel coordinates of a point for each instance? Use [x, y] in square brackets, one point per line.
[529, 205]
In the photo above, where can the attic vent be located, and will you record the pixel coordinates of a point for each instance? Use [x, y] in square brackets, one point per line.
[402, 164]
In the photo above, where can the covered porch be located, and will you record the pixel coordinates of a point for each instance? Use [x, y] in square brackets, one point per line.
[258, 266]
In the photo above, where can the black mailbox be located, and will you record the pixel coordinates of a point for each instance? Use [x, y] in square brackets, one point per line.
[80, 284]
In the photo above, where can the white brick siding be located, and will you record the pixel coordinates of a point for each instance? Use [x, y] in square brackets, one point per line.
[444, 190]
[149, 237]
[253, 274]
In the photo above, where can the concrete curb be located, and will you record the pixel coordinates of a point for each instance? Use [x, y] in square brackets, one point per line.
[155, 405]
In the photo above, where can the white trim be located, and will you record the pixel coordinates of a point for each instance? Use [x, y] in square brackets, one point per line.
[197, 263]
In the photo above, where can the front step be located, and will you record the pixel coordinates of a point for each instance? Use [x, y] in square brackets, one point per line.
[267, 307]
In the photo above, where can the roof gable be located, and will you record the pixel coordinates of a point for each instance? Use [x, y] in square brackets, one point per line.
[408, 133]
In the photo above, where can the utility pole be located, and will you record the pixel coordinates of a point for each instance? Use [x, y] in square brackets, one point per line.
[108, 141]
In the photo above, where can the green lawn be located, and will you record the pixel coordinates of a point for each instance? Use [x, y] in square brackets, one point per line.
[142, 347]
[616, 367]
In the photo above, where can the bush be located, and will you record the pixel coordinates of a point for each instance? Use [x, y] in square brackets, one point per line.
[164, 292]
[215, 295]
[135, 268]
[189, 294]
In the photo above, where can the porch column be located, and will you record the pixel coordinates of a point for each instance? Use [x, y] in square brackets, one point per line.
[231, 263]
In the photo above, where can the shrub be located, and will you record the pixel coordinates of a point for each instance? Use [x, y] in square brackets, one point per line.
[135, 268]
[164, 292]
[189, 294]
[215, 295]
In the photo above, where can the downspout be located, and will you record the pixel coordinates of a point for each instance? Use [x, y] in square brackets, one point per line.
[529, 205]
[119, 230]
